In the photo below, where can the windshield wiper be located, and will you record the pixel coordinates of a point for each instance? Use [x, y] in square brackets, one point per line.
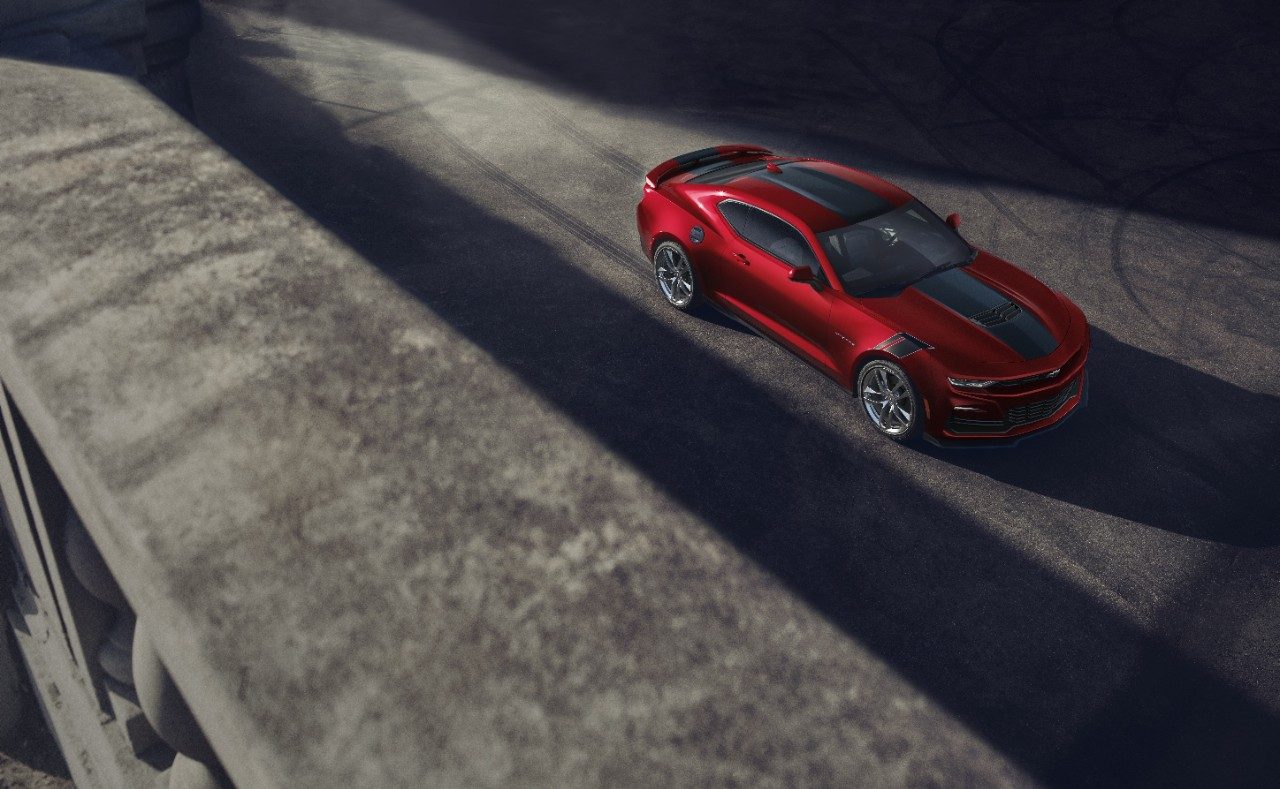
[899, 287]
[940, 269]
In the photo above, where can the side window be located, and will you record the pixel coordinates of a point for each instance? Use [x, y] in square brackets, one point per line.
[770, 234]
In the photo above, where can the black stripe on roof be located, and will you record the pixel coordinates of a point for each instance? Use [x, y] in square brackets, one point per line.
[829, 191]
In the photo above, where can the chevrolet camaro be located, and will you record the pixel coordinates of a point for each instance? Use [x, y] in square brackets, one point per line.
[861, 280]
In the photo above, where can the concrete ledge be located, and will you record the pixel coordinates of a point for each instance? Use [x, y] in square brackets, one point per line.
[99, 22]
[369, 554]
[15, 12]
[13, 694]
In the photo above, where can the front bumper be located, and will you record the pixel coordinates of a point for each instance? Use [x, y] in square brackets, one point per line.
[1026, 400]
[1015, 417]
[1026, 413]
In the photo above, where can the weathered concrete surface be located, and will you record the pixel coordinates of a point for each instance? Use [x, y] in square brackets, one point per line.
[371, 554]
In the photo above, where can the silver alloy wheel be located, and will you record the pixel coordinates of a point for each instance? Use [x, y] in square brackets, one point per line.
[888, 399]
[675, 275]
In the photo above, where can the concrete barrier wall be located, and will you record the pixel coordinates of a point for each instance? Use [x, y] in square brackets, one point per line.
[104, 194]
[147, 39]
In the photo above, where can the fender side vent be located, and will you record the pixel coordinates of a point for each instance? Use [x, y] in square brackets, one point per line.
[901, 345]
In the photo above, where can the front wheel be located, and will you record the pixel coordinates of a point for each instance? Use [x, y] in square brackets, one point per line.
[675, 275]
[890, 400]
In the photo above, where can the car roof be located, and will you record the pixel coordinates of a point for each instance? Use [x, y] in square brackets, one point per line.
[822, 194]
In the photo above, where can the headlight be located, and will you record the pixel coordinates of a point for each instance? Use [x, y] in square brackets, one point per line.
[970, 383]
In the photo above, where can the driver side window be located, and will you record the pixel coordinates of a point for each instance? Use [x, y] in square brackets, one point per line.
[770, 234]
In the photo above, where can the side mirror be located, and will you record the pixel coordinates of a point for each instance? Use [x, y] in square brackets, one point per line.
[953, 220]
[801, 274]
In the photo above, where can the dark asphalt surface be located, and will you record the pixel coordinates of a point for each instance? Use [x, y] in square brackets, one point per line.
[1096, 606]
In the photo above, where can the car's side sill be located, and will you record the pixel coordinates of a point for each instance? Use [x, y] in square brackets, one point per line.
[737, 317]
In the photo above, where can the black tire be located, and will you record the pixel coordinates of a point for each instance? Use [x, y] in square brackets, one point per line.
[676, 276]
[899, 417]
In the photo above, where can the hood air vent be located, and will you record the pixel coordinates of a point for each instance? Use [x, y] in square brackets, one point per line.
[997, 315]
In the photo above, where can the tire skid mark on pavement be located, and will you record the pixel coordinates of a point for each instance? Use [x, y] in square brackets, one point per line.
[924, 130]
[1137, 120]
[548, 208]
[1006, 119]
[960, 73]
[1121, 225]
[605, 152]
[562, 218]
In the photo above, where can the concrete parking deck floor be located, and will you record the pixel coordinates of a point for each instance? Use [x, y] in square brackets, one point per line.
[1099, 603]
[543, 530]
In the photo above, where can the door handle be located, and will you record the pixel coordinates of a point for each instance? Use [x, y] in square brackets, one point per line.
[742, 258]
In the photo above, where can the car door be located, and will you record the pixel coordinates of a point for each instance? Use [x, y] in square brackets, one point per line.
[763, 250]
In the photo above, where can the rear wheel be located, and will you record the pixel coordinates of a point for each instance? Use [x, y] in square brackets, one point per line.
[890, 400]
[675, 276]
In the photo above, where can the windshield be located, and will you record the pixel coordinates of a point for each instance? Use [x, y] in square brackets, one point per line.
[893, 249]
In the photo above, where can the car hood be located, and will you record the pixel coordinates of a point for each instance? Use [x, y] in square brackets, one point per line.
[988, 312]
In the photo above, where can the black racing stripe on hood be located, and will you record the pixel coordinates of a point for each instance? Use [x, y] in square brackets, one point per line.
[1026, 335]
[967, 295]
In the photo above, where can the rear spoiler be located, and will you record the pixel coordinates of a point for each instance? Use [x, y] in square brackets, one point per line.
[688, 161]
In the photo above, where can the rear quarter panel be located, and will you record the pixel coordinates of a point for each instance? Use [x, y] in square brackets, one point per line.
[666, 213]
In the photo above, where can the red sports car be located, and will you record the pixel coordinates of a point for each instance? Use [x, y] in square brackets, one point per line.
[867, 284]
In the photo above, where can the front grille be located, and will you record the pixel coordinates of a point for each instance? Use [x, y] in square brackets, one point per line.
[1041, 409]
[1030, 379]
[997, 315]
[958, 425]
[1018, 415]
